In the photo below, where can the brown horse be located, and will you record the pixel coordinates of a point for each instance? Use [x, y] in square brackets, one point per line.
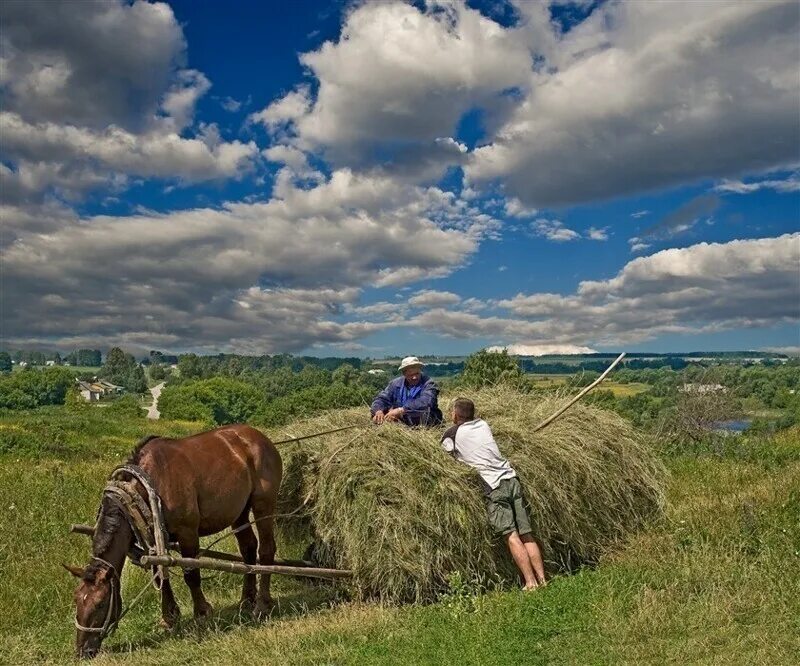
[206, 482]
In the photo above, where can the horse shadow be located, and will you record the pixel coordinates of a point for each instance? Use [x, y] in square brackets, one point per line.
[231, 617]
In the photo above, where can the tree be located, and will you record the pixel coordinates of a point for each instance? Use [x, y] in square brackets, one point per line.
[189, 366]
[487, 368]
[345, 374]
[135, 382]
[116, 365]
[5, 362]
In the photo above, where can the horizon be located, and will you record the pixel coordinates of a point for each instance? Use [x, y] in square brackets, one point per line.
[340, 178]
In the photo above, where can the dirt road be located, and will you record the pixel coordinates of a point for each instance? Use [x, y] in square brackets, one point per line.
[152, 411]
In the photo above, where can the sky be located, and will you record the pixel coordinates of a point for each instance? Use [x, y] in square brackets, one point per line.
[391, 178]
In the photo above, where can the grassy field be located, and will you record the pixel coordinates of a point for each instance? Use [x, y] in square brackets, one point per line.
[543, 381]
[714, 583]
[77, 369]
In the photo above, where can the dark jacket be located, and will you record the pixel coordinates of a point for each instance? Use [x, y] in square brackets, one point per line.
[421, 402]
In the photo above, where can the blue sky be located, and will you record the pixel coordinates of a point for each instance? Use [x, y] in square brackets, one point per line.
[390, 178]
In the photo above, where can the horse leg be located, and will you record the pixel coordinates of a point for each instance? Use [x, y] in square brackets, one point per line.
[248, 547]
[170, 611]
[190, 547]
[263, 512]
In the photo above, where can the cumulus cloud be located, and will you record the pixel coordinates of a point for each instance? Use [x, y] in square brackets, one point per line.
[643, 95]
[391, 60]
[232, 276]
[430, 298]
[96, 93]
[543, 350]
[702, 288]
[597, 234]
[785, 185]
[553, 230]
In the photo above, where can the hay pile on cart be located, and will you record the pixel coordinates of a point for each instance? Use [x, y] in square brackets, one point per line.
[386, 503]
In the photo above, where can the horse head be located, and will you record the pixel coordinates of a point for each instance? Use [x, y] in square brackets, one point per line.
[98, 604]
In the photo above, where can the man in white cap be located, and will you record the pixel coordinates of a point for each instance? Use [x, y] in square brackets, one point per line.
[412, 398]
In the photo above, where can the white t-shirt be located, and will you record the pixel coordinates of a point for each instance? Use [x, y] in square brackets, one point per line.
[472, 442]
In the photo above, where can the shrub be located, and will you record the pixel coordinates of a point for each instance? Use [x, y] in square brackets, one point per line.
[219, 401]
[487, 368]
[127, 406]
[32, 388]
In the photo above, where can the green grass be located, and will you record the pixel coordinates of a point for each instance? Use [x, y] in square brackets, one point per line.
[84, 431]
[77, 369]
[714, 583]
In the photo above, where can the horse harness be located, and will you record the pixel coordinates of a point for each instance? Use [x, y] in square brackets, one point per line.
[146, 521]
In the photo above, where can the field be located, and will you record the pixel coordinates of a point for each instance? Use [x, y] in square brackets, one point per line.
[544, 381]
[715, 582]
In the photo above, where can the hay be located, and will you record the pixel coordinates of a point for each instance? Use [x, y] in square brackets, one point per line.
[389, 504]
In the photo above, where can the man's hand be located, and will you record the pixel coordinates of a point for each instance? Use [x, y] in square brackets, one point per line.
[395, 414]
[378, 418]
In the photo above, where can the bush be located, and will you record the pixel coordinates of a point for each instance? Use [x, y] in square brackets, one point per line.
[127, 406]
[32, 388]
[486, 368]
[217, 401]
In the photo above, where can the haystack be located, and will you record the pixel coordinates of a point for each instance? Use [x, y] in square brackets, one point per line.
[389, 504]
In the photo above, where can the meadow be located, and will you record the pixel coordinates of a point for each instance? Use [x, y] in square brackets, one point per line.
[714, 582]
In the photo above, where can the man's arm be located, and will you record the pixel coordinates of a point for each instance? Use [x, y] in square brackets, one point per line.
[426, 400]
[383, 400]
[448, 440]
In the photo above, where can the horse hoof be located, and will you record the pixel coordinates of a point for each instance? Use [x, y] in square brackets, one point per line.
[168, 624]
[203, 611]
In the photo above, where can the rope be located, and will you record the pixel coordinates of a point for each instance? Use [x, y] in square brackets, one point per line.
[236, 530]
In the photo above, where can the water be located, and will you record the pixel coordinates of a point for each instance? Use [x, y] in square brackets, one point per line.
[736, 427]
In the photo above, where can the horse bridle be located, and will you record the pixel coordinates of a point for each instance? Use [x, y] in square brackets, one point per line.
[109, 624]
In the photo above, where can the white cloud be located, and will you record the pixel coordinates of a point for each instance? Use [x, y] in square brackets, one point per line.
[640, 213]
[553, 230]
[597, 234]
[95, 94]
[790, 184]
[646, 95]
[230, 104]
[393, 59]
[287, 109]
[542, 350]
[430, 298]
[637, 244]
[706, 287]
[114, 151]
[279, 274]
[515, 208]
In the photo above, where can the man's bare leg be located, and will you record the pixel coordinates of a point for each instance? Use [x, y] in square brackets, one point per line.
[521, 559]
[535, 557]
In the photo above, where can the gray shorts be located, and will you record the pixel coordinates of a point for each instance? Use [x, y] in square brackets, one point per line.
[506, 508]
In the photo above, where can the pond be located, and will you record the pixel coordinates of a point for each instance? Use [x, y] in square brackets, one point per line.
[736, 427]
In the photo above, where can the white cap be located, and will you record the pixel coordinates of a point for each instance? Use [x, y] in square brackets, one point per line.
[409, 361]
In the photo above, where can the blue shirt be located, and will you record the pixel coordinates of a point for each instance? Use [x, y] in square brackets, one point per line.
[421, 402]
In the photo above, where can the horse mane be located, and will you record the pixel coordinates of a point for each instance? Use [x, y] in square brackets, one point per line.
[136, 454]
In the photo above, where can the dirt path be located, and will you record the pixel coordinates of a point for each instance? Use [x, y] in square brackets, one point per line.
[152, 411]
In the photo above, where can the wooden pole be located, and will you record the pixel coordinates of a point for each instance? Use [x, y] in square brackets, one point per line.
[552, 418]
[217, 554]
[240, 568]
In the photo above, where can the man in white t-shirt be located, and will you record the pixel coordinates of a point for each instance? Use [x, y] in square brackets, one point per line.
[470, 440]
